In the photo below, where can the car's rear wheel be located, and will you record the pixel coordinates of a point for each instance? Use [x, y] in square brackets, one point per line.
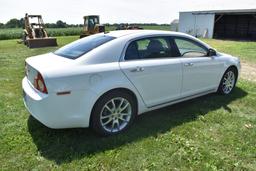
[228, 81]
[113, 113]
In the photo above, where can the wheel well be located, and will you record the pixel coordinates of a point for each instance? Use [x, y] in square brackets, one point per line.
[117, 90]
[233, 67]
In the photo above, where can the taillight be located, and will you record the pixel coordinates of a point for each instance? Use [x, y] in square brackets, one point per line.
[39, 83]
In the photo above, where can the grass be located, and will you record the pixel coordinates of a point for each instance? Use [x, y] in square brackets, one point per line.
[208, 133]
[242, 49]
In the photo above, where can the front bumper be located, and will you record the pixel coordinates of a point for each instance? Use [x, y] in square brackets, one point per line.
[58, 111]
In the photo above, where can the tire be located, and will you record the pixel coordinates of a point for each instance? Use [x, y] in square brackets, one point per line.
[113, 113]
[24, 38]
[228, 81]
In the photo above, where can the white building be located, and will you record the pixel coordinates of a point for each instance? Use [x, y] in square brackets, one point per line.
[230, 24]
[175, 25]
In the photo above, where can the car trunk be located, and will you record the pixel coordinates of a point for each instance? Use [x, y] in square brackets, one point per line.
[41, 63]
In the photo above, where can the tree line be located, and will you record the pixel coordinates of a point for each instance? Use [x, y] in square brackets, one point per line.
[19, 23]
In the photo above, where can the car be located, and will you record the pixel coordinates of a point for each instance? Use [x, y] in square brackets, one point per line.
[105, 80]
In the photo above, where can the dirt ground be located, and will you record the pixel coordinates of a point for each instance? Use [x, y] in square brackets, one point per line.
[248, 71]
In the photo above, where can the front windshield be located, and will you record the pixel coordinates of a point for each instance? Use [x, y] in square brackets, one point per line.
[80, 47]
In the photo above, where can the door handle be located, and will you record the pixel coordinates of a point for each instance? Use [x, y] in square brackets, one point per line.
[188, 64]
[137, 69]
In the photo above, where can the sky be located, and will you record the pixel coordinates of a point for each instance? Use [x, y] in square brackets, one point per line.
[113, 11]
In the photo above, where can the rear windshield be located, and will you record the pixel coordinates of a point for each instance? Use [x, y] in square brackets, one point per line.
[80, 47]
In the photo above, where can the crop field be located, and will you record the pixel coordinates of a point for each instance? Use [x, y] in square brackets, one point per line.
[212, 132]
[16, 33]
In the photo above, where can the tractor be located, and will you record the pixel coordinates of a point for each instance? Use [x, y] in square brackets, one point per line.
[35, 35]
[92, 26]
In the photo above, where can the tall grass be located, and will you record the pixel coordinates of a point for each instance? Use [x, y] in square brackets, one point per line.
[16, 33]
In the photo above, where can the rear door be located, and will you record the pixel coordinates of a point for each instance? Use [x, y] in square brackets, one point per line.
[149, 65]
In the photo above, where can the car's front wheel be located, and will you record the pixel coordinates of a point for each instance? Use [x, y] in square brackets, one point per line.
[228, 81]
[113, 113]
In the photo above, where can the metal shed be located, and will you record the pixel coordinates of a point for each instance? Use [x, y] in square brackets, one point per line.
[220, 24]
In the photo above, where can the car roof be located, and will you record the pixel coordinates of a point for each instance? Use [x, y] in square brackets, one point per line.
[121, 33]
[131, 34]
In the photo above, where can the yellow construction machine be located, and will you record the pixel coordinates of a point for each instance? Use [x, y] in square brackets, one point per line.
[35, 35]
[92, 26]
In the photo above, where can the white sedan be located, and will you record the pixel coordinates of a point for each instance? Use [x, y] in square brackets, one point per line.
[105, 80]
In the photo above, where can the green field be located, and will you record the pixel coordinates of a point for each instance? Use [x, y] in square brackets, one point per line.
[245, 50]
[213, 132]
[16, 33]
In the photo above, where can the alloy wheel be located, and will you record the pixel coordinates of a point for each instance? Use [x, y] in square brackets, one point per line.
[228, 82]
[115, 114]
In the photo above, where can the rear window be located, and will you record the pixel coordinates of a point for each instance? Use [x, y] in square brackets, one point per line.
[80, 47]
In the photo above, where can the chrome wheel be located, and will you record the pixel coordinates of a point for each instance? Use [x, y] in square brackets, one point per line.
[115, 114]
[228, 82]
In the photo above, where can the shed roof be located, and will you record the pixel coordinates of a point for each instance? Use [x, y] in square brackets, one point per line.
[226, 11]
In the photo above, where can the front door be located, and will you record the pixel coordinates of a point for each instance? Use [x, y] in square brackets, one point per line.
[201, 73]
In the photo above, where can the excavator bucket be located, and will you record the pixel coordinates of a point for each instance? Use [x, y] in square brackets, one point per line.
[83, 35]
[41, 42]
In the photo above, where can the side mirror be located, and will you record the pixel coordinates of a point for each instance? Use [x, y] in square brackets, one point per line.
[212, 52]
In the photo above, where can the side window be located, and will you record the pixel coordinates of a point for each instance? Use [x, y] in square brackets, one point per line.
[148, 48]
[132, 51]
[189, 48]
[143, 44]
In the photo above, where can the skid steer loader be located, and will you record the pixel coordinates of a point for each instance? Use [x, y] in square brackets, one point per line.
[35, 35]
[92, 26]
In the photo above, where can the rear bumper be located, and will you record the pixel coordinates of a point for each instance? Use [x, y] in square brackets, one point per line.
[58, 111]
